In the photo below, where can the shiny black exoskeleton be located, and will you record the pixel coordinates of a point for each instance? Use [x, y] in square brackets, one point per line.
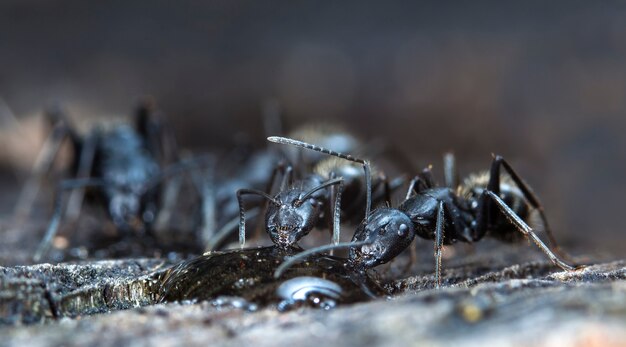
[486, 204]
[123, 164]
[496, 204]
[323, 281]
[300, 206]
[259, 169]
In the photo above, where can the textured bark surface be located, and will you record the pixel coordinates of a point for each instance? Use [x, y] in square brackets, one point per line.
[104, 304]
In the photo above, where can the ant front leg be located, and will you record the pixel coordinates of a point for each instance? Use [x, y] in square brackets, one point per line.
[335, 208]
[526, 230]
[439, 234]
[494, 186]
[242, 210]
[53, 227]
[205, 184]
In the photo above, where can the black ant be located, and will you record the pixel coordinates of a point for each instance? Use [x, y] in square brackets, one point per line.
[123, 163]
[486, 204]
[298, 206]
[259, 170]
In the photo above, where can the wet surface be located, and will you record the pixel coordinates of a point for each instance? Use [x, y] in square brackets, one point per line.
[249, 274]
[523, 304]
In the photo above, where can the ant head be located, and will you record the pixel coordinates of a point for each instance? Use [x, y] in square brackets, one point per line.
[387, 232]
[293, 218]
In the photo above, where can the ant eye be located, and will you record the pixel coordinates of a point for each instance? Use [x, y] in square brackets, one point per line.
[402, 230]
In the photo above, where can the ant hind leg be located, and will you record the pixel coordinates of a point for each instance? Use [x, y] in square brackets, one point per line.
[527, 231]
[439, 234]
[494, 186]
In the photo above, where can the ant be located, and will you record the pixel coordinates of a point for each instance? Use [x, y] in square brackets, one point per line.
[485, 204]
[123, 164]
[259, 169]
[298, 206]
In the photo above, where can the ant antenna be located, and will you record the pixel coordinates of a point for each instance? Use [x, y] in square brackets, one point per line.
[242, 212]
[365, 163]
[321, 186]
[290, 261]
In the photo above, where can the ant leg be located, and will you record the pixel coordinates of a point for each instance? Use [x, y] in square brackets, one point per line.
[287, 178]
[161, 143]
[58, 211]
[427, 176]
[335, 208]
[151, 126]
[439, 234]
[450, 171]
[172, 186]
[43, 164]
[368, 187]
[242, 212]
[527, 231]
[170, 196]
[337, 213]
[85, 165]
[285, 170]
[415, 181]
[421, 181]
[205, 184]
[331, 209]
[494, 186]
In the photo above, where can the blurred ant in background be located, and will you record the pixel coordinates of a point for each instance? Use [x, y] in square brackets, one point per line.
[123, 165]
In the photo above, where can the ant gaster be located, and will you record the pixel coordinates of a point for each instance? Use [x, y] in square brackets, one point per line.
[485, 204]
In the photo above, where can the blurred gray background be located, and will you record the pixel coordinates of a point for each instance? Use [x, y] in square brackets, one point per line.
[542, 83]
